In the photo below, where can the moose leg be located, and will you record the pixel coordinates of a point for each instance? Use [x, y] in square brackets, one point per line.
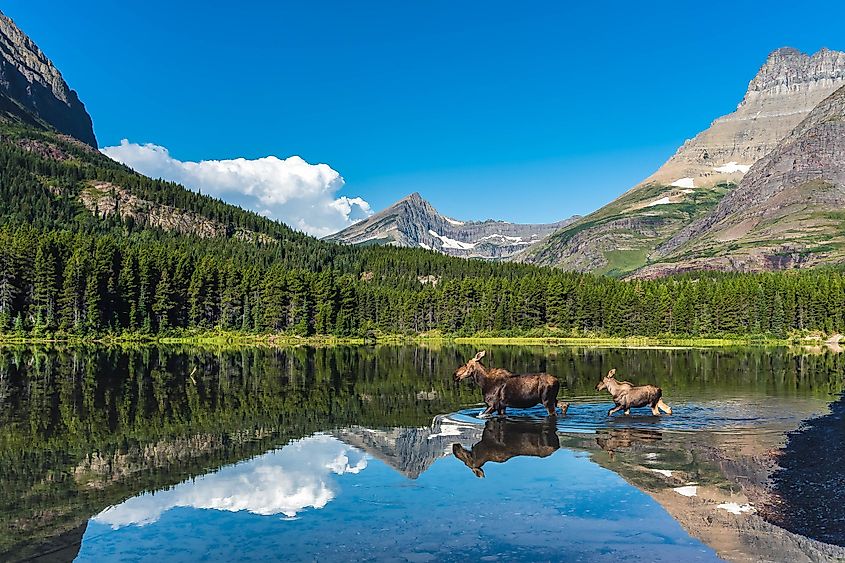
[664, 407]
[654, 410]
[617, 408]
[487, 412]
[549, 398]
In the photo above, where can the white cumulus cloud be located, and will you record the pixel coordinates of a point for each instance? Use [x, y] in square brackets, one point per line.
[284, 481]
[291, 190]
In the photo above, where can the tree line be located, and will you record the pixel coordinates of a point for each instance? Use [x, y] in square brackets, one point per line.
[55, 282]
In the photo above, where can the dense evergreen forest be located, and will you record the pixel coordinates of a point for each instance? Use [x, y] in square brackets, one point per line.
[66, 271]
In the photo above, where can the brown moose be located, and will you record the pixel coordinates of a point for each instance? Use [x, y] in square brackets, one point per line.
[626, 395]
[503, 439]
[503, 389]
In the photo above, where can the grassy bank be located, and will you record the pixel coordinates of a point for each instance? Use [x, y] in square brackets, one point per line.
[283, 340]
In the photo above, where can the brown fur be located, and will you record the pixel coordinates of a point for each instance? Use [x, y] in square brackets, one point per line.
[503, 389]
[504, 439]
[626, 395]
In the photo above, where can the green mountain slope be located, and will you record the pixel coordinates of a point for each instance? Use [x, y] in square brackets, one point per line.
[624, 236]
[788, 211]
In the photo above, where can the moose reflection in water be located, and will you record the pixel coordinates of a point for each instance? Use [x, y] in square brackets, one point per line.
[503, 439]
[625, 438]
[626, 395]
[503, 389]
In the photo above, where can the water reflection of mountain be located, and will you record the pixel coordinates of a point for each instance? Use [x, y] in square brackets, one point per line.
[705, 483]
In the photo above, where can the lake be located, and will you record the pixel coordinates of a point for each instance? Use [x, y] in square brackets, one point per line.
[182, 453]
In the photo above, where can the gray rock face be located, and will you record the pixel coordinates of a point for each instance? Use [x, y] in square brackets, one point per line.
[785, 213]
[32, 89]
[105, 199]
[413, 222]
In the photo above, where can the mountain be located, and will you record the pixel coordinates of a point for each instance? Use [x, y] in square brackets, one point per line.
[32, 90]
[787, 212]
[411, 451]
[622, 236]
[414, 222]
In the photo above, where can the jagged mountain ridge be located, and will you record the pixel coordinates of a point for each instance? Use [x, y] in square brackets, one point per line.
[33, 91]
[413, 222]
[621, 237]
[787, 212]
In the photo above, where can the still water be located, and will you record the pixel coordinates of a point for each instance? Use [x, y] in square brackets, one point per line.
[185, 454]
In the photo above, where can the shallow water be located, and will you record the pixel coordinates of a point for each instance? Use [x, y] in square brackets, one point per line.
[374, 453]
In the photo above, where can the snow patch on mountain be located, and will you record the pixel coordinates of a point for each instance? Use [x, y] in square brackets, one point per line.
[452, 243]
[683, 183]
[732, 167]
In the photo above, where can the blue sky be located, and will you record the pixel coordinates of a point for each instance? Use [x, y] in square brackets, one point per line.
[526, 111]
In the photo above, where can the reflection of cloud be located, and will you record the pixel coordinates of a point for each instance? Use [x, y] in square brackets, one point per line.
[283, 481]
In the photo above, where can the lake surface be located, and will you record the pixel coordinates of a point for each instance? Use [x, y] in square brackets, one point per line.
[373, 453]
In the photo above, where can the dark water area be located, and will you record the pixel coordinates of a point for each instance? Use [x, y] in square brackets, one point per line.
[183, 453]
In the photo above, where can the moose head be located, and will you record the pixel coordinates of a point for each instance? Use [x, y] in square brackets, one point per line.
[465, 455]
[611, 375]
[471, 368]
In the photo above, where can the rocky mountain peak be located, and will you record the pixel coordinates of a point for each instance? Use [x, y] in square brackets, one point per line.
[623, 236]
[414, 222]
[788, 72]
[788, 85]
[33, 88]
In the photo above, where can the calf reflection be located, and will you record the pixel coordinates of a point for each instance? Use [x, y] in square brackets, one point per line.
[612, 440]
[503, 439]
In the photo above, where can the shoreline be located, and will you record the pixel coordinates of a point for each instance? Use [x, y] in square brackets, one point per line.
[280, 340]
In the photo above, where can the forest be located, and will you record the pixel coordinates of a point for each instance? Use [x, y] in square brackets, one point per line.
[62, 283]
[68, 272]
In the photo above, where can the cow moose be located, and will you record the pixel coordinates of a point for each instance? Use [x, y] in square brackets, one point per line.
[503, 389]
[626, 395]
[503, 439]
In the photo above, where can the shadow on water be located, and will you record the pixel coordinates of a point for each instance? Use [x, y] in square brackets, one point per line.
[809, 486]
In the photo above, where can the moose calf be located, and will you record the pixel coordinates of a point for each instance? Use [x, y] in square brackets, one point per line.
[626, 395]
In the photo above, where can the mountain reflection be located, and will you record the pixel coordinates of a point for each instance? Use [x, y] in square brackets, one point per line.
[284, 481]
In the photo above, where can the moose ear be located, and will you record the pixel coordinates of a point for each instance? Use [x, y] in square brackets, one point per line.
[611, 373]
[480, 355]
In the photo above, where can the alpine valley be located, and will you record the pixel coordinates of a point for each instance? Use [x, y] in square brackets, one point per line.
[89, 247]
